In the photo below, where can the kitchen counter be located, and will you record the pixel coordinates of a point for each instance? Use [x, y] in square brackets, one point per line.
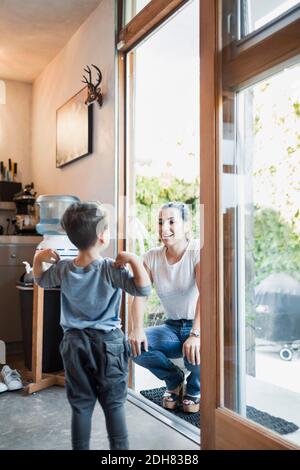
[7, 206]
[14, 250]
[20, 239]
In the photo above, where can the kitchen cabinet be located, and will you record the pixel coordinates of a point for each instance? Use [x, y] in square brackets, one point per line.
[13, 250]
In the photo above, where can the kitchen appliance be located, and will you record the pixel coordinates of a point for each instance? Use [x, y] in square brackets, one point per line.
[26, 217]
[52, 208]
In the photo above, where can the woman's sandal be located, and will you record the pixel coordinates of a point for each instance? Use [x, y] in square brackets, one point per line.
[171, 400]
[192, 404]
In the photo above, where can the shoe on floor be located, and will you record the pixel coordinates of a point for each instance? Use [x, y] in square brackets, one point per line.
[11, 378]
[3, 387]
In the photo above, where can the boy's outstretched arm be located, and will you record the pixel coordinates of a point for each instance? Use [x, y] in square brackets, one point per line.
[44, 256]
[140, 276]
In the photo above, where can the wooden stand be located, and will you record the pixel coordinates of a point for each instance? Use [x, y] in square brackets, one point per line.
[40, 381]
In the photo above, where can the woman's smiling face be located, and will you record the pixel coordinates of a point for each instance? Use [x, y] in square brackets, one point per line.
[172, 228]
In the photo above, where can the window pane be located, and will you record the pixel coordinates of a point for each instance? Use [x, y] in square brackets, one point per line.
[132, 8]
[257, 13]
[261, 215]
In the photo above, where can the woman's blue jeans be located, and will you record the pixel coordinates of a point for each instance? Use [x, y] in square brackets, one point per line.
[164, 343]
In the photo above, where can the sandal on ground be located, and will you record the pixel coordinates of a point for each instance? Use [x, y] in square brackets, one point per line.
[171, 400]
[191, 404]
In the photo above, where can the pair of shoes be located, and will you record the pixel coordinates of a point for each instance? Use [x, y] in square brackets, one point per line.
[191, 404]
[170, 399]
[11, 378]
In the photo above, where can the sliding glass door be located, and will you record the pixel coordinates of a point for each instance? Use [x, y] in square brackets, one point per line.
[250, 189]
[162, 135]
[261, 224]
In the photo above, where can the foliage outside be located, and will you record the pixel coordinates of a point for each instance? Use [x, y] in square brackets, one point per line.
[276, 175]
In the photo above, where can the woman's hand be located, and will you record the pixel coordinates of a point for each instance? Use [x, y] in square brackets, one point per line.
[136, 338]
[191, 350]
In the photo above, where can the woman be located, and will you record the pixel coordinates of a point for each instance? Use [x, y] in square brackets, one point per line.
[174, 272]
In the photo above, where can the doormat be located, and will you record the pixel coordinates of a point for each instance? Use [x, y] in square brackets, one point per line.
[155, 395]
[279, 425]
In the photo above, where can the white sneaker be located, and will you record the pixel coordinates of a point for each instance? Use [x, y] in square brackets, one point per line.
[11, 378]
[3, 387]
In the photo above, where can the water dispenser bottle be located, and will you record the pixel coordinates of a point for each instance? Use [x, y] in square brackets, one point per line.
[52, 208]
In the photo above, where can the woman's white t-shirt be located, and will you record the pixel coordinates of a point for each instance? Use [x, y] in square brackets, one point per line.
[175, 284]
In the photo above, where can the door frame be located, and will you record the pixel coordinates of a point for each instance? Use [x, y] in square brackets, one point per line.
[220, 427]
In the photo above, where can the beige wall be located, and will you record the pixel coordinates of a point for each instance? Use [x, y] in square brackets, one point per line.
[15, 128]
[91, 177]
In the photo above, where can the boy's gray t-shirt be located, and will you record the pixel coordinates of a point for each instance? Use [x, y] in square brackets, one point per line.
[90, 296]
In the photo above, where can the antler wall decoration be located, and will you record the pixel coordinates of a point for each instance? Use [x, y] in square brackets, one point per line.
[94, 91]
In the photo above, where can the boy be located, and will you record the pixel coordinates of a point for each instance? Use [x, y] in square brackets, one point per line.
[94, 350]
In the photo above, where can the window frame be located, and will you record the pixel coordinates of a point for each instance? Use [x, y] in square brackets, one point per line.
[275, 24]
[148, 19]
[256, 55]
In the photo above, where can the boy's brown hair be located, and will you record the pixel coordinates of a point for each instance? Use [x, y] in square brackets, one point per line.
[83, 222]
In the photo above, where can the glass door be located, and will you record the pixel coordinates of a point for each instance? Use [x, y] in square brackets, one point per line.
[162, 135]
[261, 232]
[250, 258]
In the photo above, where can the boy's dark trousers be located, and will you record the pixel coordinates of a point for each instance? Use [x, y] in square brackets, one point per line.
[96, 367]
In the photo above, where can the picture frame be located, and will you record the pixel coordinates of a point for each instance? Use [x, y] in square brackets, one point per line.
[74, 123]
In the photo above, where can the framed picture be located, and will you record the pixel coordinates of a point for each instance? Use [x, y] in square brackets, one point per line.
[73, 129]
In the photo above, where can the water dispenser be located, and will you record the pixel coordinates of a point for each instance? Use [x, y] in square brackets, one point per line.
[52, 208]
